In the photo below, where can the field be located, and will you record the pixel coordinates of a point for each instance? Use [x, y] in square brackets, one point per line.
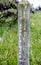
[35, 38]
[9, 42]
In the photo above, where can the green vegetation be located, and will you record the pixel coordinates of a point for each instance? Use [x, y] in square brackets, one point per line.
[9, 41]
[35, 39]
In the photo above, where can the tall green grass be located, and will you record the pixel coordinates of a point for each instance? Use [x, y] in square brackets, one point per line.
[35, 38]
[8, 45]
[9, 42]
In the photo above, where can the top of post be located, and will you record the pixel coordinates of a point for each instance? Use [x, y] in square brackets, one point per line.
[23, 2]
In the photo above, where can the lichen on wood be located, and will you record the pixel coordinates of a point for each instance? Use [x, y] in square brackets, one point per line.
[23, 32]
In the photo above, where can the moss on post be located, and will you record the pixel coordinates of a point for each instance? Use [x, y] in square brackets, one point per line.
[23, 32]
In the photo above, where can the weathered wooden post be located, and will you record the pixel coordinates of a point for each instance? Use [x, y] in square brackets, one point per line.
[23, 32]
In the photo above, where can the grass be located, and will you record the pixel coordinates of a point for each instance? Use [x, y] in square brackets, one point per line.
[9, 42]
[8, 47]
[35, 38]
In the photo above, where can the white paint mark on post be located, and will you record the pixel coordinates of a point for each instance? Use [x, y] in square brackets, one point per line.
[23, 32]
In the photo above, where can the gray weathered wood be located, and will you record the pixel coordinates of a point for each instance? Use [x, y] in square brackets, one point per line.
[23, 32]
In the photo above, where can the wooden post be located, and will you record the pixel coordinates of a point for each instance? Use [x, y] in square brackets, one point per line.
[23, 32]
